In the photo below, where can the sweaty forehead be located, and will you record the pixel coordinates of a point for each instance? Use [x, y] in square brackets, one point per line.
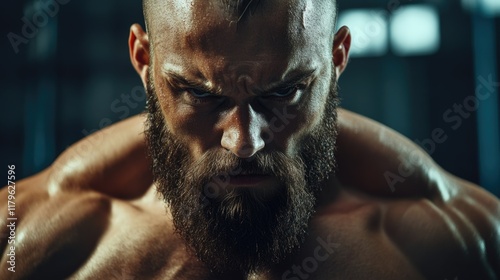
[294, 31]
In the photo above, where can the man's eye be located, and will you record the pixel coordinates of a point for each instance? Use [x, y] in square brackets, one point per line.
[198, 93]
[283, 92]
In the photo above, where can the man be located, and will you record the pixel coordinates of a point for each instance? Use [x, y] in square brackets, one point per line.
[241, 129]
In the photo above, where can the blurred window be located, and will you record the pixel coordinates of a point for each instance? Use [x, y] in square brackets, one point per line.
[369, 31]
[414, 30]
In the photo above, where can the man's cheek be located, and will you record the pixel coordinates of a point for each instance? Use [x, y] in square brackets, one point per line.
[302, 126]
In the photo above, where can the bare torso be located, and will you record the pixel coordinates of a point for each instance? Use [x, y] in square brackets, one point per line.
[89, 233]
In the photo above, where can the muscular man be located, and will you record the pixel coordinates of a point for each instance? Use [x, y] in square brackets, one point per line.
[244, 136]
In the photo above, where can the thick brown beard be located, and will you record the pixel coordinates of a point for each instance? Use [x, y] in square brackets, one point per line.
[240, 229]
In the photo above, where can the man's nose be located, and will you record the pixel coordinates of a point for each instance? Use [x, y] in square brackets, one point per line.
[243, 132]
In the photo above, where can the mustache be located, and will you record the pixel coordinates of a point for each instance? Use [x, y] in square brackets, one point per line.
[220, 165]
[212, 173]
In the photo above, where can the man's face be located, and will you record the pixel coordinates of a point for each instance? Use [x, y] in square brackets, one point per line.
[241, 125]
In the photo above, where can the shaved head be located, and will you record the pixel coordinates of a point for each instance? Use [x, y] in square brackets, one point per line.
[235, 12]
[234, 9]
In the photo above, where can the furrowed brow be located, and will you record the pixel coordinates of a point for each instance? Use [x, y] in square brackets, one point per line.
[289, 82]
[179, 80]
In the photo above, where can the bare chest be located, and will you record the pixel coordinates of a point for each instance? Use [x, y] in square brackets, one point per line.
[144, 246]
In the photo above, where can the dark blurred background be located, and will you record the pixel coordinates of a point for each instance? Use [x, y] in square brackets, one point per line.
[427, 69]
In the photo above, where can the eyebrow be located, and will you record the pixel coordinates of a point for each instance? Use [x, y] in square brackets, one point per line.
[178, 78]
[289, 82]
[284, 84]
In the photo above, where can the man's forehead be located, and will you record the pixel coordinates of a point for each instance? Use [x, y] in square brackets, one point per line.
[274, 40]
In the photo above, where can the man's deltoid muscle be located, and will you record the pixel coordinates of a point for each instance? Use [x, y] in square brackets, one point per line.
[244, 167]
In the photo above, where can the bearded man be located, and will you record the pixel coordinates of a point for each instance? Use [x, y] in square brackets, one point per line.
[244, 136]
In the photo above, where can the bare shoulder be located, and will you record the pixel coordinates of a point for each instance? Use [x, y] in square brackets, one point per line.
[392, 164]
[112, 161]
[442, 223]
[456, 234]
[49, 229]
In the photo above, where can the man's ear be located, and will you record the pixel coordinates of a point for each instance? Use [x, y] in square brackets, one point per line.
[341, 46]
[138, 43]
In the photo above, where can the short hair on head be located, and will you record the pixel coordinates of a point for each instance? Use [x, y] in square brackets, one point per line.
[236, 9]
[146, 12]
